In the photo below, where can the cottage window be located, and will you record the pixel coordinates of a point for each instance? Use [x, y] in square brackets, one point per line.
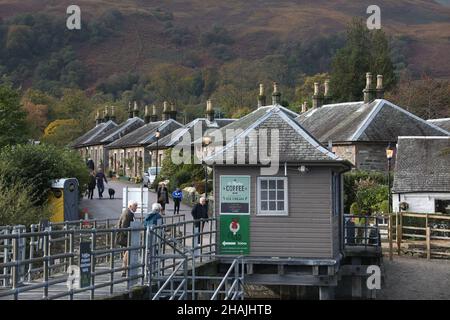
[272, 196]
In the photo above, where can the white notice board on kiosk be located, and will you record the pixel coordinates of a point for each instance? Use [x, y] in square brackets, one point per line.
[140, 195]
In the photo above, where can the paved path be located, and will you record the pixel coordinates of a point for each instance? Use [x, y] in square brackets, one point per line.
[111, 208]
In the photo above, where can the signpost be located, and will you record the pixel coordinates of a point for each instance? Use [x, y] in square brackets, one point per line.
[85, 264]
[234, 196]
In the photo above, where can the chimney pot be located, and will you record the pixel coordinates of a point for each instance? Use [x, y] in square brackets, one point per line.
[262, 96]
[135, 110]
[369, 92]
[276, 96]
[304, 107]
[317, 99]
[146, 115]
[209, 111]
[154, 116]
[130, 112]
[380, 88]
[166, 112]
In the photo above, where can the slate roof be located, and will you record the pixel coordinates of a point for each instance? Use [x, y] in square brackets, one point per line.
[378, 121]
[422, 165]
[145, 135]
[172, 139]
[115, 133]
[93, 133]
[443, 123]
[295, 144]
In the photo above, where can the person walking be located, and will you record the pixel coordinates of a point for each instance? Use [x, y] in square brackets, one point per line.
[91, 185]
[163, 197]
[154, 217]
[199, 212]
[90, 164]
[125, 219]
[177, 196]
[100, 177]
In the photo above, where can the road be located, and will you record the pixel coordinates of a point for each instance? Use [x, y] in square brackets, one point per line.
[111, 208]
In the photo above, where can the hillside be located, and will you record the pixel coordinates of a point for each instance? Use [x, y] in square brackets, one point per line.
[157, 32]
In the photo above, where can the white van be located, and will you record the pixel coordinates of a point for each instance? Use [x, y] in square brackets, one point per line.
[150, 175]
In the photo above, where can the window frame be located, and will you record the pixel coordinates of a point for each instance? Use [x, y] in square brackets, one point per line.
[272, 213]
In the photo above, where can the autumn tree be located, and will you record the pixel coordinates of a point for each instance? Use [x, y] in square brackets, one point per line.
[62, 132]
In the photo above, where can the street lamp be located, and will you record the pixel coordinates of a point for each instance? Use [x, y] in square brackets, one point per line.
[206, 142]
[157, 135]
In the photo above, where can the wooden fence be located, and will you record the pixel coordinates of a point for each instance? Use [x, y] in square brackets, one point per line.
[423, 234]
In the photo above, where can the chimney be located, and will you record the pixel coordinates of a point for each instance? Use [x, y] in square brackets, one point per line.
[326, 94]
[276, 96]
[173, 112]
[135, 110]
[98, 120]
[317, 99]
[147, 117]
[154, 116]
[166, 111]
[113, 115]
[369, 92]
[209, 111]
[130, 112]
[261, 96]
[106, 117]
[380, 89]
[304, 107]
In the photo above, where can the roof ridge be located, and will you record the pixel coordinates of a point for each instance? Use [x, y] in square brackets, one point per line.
[416, 117]
[368, 120]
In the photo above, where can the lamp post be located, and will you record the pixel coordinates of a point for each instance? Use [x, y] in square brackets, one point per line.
[389, 155]
[206, 142]
[157, 135]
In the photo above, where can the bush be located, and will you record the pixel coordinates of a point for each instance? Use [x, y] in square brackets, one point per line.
[37, 165]
[351, 179]
[17, 206]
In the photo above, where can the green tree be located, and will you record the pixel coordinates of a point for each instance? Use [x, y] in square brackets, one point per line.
[37, 165]
[17, 206]
[12, 117]
[365, 51]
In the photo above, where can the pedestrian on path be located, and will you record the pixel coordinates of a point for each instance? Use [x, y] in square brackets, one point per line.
[163, 197]
[91, 185]
[125, 219]
[100, 177]
[154, 217]
[200, 212]
[177, 196]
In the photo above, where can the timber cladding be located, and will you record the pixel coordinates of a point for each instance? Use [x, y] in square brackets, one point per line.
[307, 230]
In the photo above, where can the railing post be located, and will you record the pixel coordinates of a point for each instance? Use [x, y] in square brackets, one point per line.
[390, 237]
[46, 263]
[428, 231]
[399, 233]
[111, 261]
[93, 239]
[15, 259]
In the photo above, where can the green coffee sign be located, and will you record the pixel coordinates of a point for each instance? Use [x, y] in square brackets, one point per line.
[235, 195]
[234, 234]
[234, 214]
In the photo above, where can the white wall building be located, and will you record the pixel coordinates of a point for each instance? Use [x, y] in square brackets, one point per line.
[422, 175]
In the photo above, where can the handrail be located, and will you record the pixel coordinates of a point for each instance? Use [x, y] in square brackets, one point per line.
[225, 278]
[169, 279]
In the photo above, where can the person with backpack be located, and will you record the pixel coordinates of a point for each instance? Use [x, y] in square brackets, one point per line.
[177, 196]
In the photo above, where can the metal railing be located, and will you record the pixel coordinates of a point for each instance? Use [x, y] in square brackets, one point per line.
[38, 259]
[361, 230]
[173, 259]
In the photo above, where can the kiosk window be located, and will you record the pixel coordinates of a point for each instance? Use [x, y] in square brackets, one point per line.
[272, 196]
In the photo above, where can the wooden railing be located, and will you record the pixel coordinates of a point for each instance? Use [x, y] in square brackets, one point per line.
[424, 234]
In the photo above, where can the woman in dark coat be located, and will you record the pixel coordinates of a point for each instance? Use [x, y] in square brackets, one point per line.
[163, 197]
[91, 185]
